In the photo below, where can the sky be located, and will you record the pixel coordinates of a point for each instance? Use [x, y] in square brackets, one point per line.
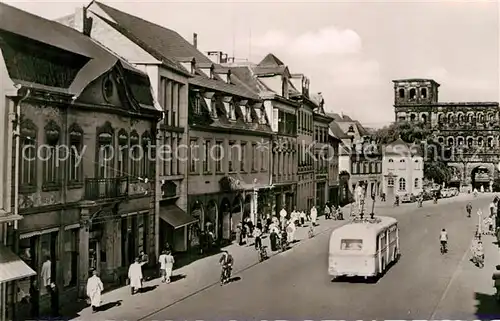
[351, 51]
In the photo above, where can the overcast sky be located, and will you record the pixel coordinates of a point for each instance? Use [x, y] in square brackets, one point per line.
[350, 50]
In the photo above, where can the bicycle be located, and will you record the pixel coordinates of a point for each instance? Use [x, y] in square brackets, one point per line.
[262, 253]
[310, 233]
[444, 248]
[225, 275]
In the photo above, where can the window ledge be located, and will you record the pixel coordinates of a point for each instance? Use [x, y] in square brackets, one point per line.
[50, 187]
[27, 189]
[207, 173]
[194, 173]
[219, 173]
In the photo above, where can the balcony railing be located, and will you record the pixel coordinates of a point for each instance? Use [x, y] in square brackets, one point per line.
[105, 188]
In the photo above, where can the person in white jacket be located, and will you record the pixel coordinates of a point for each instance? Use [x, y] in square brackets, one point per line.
[314, 215]
[94, 290]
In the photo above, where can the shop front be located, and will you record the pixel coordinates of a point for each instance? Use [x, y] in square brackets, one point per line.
[177, 228]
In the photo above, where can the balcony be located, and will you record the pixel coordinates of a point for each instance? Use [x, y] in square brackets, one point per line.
[105, 188]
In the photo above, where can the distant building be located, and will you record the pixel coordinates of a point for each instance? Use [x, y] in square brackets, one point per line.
[469, 131]
[402, 169]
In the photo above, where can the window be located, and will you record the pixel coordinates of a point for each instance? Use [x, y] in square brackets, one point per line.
[379, 167]
[50, 158]
[177, 158]
[490, 142]
[243, 155]
[372, 168]
[147, 155]
[193, 151]
[28, 155]
[206, 158]
[417, 183]
[423, 92]
[230, 157]
[470, 141]
[166, 157]
[75, 165]
[450, 141]
[367, 168]
[122, 161]
[401, 93]
[402, 184]
[413, 93]
[351, 244]
[253, 157]
[354, 168]
[218, 156]
[262, 160]
[417, 164]
[390, 182]
[135, 155]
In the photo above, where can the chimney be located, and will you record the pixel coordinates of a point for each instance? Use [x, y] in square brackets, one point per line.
[195, 40]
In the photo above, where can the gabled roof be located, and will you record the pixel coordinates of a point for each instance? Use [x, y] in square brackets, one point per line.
[20, 23]
[270, 61]
[337, 131]
[172, 48]
[400, 148]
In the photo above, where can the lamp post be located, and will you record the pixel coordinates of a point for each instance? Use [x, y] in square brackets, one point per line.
[351, 133]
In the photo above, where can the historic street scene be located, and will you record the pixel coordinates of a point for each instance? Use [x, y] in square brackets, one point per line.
[249, 161]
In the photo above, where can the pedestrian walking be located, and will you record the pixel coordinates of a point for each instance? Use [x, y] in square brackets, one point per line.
[257, 234]
[327, 212]
[46, 274]
[144, 262]
[135, 276]
[239, 234]
[94, 290]
[314, 215]
[302, 217]
[162, 259]
[291, 232]
[169, 266]
[274, 237]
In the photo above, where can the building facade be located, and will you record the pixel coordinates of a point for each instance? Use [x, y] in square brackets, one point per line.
[403, 169]
[86, 131]
[169, 82]
[366, 168]
[467, 130]
[270, 80]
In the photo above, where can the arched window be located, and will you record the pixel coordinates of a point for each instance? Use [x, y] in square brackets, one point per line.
[413, 93]
[490, 141]
[27, 162]
[135, 155]
[480, 118]
[470, 142]
[390, 182]
[461, 118]
[450, 141]
[123, 153]
[51, 167]
[423, 92]
[413, 117]
[424, 118]
[440, 118]
[402, 184]
[417, 183]
[480, 141]
[470, 117]
[105, 151]
[75, 170]
[440, 140]
[451, 118]
[401, 93]
[460, 141]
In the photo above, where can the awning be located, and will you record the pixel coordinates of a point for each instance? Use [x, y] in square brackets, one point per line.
[12, 267]
[176, 217]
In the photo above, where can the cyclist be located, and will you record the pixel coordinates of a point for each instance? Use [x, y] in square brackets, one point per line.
[443, 237]
[226, 262]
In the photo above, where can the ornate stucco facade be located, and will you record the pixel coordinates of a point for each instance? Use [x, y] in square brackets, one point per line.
[468, 131]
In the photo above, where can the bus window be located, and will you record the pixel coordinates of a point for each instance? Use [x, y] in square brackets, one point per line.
[383, 241]
[351, 244]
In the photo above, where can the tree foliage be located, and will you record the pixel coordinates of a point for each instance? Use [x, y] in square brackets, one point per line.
[435, 154]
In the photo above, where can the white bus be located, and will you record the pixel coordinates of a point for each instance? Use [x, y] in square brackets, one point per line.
[364, 247]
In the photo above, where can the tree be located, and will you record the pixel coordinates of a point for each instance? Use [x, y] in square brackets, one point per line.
[435, 155]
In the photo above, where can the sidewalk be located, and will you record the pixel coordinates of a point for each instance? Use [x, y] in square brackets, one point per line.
[188, 280]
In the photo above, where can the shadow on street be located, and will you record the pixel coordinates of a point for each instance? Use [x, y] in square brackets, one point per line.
[487, 308]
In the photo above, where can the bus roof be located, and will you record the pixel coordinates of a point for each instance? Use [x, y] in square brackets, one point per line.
[365, 227]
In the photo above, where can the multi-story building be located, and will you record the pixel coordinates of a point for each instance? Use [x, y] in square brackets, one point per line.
[402, 169]
[128, 36]
[323, 152]
[469, 130]
[270, 79]
[86, 128]
[220, 159]
[338, 177]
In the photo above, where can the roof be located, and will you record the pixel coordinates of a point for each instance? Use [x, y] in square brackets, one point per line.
[401, 148]
[24, 24]
[337, 131]
[270, 61]
[364, 228]
[172, 48]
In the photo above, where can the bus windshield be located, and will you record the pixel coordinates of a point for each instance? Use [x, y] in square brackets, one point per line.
[351, 244]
